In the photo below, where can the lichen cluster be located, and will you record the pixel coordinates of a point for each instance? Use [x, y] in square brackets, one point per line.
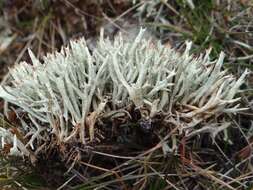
[69, 90]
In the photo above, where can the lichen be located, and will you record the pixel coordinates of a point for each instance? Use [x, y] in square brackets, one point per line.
[69, 90]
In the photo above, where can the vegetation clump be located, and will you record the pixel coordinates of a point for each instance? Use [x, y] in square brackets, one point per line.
[87, 99]
[67, 93]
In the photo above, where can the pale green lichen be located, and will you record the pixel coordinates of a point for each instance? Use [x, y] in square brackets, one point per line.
[66, 93]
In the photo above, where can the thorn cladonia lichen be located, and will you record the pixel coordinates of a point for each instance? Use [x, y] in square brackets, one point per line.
[68, 91]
